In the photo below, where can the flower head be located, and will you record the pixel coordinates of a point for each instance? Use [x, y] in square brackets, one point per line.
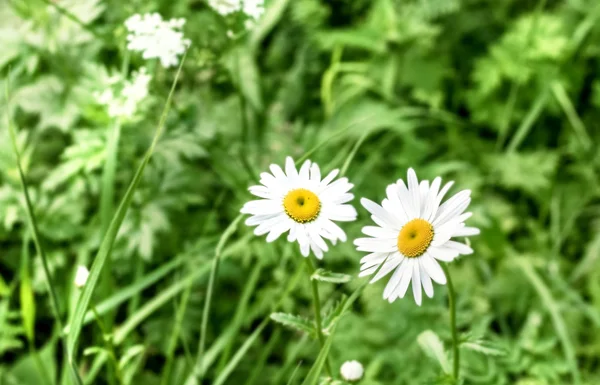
[303, 204]
[81, 276]
[413, 232]
[252, 8]
[156, 38]
[123, 96]
[352, 371]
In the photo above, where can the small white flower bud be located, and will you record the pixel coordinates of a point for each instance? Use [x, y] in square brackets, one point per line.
[352, 371]
[81, 276]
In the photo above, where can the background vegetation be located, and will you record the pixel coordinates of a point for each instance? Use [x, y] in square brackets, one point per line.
[501, 96]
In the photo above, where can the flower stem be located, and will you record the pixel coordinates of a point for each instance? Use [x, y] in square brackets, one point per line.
[455, 342]
[317, 307]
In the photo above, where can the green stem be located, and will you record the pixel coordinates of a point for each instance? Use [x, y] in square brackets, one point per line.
[107, 339]
[317, 308]
[455, 341]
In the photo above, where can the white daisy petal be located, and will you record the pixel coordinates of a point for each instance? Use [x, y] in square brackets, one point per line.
[380, 232]
[406, 200]
[433, 269]
[443, 253]
[329, 178]
[413, 188]
[390, 264]
[262, 207]
[438, 200]
[466, 232]
[315, 173]
[431, 198]
[416, 283]
[277, 172]
[426, 281]
[290, 168]
[380, 213]
[447, 209]
[395, 279]
[460, 247]
[304, 173]
[404, 281]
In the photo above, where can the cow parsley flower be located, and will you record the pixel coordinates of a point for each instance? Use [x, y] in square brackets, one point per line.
[413, 232]
[123, 96]
[81, 276]
[157, 38]
[352, 371]
[303, 204]
[252, 8]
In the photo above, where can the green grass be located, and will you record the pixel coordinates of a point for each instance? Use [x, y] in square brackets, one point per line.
[501, 97]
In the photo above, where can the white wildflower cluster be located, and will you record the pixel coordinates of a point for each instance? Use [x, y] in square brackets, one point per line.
[252, 8]
[157, 38]
[123, 96]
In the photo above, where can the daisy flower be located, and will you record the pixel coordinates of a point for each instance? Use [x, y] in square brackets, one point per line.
[413, 232]
[303, 204]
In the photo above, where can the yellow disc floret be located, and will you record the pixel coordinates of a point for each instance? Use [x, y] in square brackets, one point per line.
[415, 237]
[302, 205]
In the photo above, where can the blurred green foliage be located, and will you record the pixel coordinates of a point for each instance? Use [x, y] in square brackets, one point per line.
[501, 96]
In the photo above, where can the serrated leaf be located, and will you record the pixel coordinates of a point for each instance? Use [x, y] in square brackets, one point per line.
[331, 319]
[434, 348]
[329, 276]
[295, 322]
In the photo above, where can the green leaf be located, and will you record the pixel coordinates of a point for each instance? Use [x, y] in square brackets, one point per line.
[267, 22]
[129, 354]
[484, 347]
[331, 319]
[27, 305]
[295, 322]
[434, 348]
[107, 243]
[329, 276]
[243, 69]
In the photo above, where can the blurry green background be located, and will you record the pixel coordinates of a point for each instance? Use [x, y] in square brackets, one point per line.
[501, 96]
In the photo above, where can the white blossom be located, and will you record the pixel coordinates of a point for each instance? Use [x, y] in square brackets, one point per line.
[252, 8]
[123, 96]
[157, 38]
[81, 276]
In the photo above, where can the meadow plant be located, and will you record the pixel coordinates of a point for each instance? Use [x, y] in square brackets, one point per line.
[134, 129]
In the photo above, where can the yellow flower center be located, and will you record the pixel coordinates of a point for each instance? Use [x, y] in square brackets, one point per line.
[302, 205]
[415, 237]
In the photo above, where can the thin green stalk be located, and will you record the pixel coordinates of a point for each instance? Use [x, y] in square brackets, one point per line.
[36, 238]
[109, 346]
[317, 308]
[209, 293]
[166, 374]
[455, 341]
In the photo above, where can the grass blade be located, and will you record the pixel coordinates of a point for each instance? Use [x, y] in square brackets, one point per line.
[111, 233]
[313, 376]
[36, 234]
[557, 319]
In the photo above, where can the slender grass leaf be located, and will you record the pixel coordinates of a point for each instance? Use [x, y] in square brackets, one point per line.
[313, 376]
[109, 238]
[36, 235]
